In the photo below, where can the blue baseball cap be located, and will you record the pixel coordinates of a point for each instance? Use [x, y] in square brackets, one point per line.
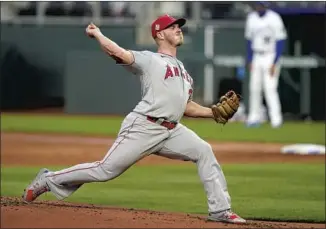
[264, 3]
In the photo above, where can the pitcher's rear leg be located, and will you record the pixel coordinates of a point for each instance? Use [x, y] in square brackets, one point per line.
[37, 187]
[129, 147]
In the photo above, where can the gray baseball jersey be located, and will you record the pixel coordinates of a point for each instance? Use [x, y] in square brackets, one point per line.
[166, 85]
[166, 88]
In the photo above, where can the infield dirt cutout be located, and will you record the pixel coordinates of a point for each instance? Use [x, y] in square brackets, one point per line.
[40, 149]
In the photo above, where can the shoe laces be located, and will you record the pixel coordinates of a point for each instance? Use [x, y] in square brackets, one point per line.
[39, 191]
[39, 187]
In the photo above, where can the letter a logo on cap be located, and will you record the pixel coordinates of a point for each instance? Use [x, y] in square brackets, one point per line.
[157, 27]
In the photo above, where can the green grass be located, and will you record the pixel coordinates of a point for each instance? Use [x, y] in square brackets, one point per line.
[291, 192]
[291, 132]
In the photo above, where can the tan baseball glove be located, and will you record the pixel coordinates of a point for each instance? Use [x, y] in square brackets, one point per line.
[226, 107]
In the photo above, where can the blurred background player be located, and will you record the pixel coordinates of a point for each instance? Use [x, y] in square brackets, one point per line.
[265, 34]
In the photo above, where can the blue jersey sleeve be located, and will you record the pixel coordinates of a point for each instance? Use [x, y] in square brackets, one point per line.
[249, 51]
[279, 49]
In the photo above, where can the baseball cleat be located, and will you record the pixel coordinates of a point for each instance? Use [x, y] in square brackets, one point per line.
[37, 187]
[275, 126]
[226, 217]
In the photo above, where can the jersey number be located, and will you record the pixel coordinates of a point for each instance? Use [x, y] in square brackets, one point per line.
[267, 40]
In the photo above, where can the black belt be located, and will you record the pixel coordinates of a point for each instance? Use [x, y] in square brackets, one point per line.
[162, 122]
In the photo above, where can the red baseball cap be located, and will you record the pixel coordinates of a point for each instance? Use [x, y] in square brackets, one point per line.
[164, 22]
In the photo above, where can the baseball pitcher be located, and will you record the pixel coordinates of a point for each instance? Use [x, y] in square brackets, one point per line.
[153, 126]
[265, 34]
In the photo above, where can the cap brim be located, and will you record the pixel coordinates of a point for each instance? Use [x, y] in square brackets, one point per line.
[181, 22]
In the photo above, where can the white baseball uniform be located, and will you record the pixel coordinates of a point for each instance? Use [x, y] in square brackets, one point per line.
[166, 88]
[264, 33]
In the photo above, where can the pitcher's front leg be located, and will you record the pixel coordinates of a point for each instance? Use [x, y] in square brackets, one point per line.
[213, 179]
[200, 152]
[210, 172]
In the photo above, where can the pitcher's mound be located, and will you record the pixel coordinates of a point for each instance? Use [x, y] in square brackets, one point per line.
[53, 214]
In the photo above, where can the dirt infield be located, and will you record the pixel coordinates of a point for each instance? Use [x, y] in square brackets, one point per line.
[35, 149]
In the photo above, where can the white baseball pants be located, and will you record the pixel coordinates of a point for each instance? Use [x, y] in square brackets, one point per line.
[262, 80]
[137, 139]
